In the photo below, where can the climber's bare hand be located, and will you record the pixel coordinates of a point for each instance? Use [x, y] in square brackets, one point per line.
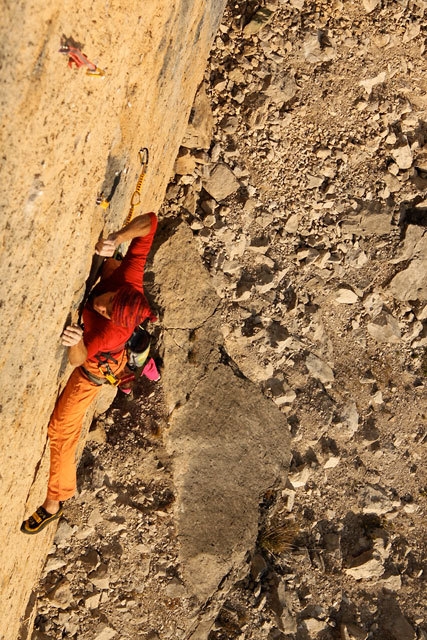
[106, 246]
[71, 335]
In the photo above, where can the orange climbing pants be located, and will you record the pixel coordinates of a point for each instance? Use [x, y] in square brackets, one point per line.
[66, 424]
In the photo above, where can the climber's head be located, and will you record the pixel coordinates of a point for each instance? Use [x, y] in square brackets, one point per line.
[127, 307]
[103, 304]
[130, 307]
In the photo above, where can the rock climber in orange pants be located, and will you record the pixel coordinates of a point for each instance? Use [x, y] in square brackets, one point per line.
[116, 306]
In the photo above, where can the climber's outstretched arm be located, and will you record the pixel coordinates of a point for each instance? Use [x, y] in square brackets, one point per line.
[138, 228]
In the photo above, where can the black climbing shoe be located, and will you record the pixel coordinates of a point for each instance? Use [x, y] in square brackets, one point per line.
[39, 520]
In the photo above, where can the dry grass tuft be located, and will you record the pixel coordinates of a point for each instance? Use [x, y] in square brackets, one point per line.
[278, 537]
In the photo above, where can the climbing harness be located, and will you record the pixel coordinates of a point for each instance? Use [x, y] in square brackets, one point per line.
[137, 349]
[107, 375]
[104, 360]
[136, 196]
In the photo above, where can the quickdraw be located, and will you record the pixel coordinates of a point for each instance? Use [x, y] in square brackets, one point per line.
[136, 196]
[105, 369]
[108, 374]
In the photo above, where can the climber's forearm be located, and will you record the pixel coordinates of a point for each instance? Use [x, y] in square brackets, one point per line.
[77, 354]
[72, 337]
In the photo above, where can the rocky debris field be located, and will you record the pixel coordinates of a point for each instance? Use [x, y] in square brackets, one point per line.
[303, 178]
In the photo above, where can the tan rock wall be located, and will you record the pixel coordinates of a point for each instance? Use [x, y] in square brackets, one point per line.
[64, 137]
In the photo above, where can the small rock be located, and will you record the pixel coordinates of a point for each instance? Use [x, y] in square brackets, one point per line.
[369, 565]
[209, 207]
[287, 398]
[385, 328]
[53, 564]
[175, 589]
[346, 296]
[106, 634]
[370, 5]
[332, 462]
[314, 626]
[282, 90]
[376, 500]
[284, 610]
[101, 583]
[95, 517]
[370, 83]
[84, 533]
[393, 184]
[392, 583]
[63, 532]
[61, 596]
[403, 157]
[236, 75]
[350, 417]
[411, 283]
[259, 20]
[314, 181]
[289, 494]
[319, 369]
[221, 182]
[92, 602]
[184, 165]
[315, 50]
[350, 631]
[292, 223]
[229, 124]
[258, 567]
[299, 478]
[412, 31]
[373, 304]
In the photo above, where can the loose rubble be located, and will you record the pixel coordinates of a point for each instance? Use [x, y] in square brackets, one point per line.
[302, 178]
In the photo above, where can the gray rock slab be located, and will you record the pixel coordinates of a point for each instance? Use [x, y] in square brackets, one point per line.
[229, 444]
[368, 224]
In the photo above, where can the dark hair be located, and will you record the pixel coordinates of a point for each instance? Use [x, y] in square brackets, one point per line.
[130, 307]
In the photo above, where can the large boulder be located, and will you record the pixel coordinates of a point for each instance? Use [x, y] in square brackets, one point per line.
[229, 443]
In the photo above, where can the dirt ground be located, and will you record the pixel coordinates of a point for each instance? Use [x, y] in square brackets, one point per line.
[321, 118]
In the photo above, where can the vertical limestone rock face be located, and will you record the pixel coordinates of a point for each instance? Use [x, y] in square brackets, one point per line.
[229, 443]
[65, 137]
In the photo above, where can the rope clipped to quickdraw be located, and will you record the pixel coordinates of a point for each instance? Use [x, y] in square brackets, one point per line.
[136, 196]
